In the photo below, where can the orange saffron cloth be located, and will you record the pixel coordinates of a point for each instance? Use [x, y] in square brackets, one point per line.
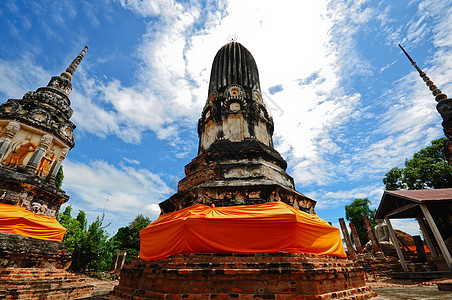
[268, 227]
[18, 220]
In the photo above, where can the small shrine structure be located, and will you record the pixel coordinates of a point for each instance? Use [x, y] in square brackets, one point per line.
[36, 133]
[422, 205]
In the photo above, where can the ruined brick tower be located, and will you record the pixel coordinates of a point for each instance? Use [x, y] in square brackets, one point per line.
[36, 133]
[236, 163]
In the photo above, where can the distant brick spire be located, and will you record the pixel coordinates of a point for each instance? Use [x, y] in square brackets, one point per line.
[444, 107]
[439, 95]
[73, 66]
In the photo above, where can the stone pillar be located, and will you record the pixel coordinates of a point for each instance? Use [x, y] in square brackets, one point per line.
[40, 151]
[348, 242]
[56, 165]
[371, 234]
[356, 240]
[10, 131]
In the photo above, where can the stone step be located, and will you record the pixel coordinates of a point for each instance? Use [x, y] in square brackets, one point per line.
[243, 276]
[67, 292]
[255, 256]
[239, 265]
[354, 293]
[308, 262]
[35, 283]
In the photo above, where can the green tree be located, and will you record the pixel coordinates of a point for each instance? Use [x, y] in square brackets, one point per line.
[91, 247]
[428, 168]
[59, 178]
[74, 231]
[354, 213]
[128, 238]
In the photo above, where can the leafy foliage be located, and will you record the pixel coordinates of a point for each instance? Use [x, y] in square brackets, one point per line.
[428, 168]
[354, 213]
[91, 247]
[128, 237]
[59, 178]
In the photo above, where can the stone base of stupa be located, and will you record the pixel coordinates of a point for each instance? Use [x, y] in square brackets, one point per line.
[243, 276]
[35, 269]
[42, 283]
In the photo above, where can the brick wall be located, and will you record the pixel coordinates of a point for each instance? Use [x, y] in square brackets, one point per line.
[41, 283]
[197, 171]
[243, 276]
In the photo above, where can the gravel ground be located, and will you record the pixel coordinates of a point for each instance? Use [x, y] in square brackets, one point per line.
[392, 289]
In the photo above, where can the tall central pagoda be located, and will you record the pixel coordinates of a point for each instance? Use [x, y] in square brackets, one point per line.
[237, 163]
[244, 242]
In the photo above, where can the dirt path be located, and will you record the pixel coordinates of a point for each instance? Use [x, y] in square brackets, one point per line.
[392, 289]
[101, 287]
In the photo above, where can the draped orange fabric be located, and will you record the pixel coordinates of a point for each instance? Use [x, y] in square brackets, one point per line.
[268, 227]
[14, 219]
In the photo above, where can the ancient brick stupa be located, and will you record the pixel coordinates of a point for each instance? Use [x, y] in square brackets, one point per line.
[237, 228]
[36, 134]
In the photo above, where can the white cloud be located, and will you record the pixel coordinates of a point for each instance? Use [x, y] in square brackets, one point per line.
[327, 199]
[131, 161]
[410, 226]
[14, 81]
[118, 190]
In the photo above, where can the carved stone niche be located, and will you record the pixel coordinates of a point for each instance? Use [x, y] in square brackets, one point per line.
[234, 94]
[10, 107]
[66, 130]
[40, 115]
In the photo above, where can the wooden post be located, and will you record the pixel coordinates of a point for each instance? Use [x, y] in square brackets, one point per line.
[439, 239]
[396, 245]
[426, 234]
[348, 242]
[419, 248]
[355, 236]
[371, 234]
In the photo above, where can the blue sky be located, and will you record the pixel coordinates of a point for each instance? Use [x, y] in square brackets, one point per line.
[347, 104]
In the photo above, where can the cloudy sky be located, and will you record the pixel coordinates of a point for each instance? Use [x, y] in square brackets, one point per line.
[347, 104]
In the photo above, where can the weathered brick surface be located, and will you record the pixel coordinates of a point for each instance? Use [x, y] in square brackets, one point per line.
[26, 252]
[243, 276]
[199, 170]
[41, 283]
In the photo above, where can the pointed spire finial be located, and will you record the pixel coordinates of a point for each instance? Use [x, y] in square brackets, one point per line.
[435, 91]
[73, 66]
[232, 38]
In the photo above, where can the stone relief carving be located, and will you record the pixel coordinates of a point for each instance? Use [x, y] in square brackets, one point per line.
[63, 153]
[46, 161]
[11, 130]
[234, 93]
[45, 142]
[19, 151]
[10, 106]
[40, 115]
